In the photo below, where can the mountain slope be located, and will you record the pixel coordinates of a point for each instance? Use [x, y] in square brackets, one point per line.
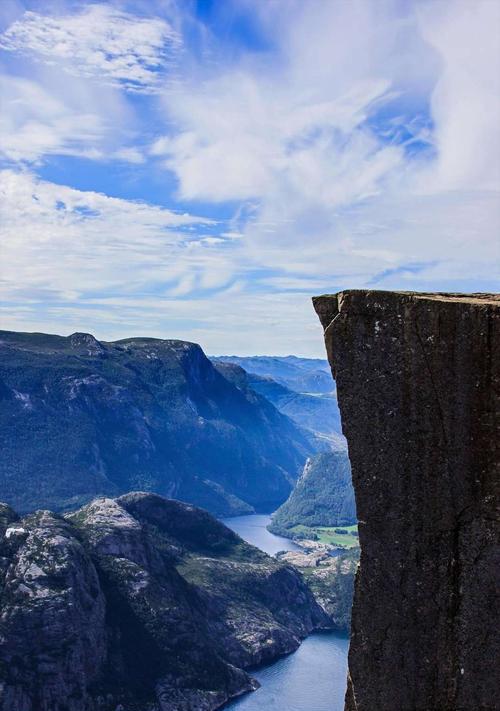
[317, 412]
[323, 496]
[300, 388]
[80, 418]
[139, 603]
[298, 374]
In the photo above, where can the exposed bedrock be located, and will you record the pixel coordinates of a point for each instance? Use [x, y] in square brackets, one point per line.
[418, 377]
[139, 603]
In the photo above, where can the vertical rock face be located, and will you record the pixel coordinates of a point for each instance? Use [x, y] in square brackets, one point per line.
[418, 377]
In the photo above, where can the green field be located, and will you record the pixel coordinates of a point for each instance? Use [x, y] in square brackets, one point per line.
[325, 534]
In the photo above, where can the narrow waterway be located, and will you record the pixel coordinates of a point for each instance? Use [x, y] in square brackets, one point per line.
[311, 679]
[253, 529]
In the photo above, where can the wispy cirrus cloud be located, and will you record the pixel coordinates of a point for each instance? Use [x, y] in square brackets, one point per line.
[357, 149]
[99, 42]
[59, 241]
[35, 123]
[41, 119]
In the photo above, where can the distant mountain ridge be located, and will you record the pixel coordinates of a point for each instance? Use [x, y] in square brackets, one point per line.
[301, 388]
[81, 418]
[298, 374]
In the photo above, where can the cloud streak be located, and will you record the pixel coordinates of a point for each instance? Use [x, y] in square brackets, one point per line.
[61, 241]
[361, 152]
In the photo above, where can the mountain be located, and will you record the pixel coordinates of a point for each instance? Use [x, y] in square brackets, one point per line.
[301, 388]
[297, 374]
[323, 496]
[137, 603]
[317, 412]
[80, 418]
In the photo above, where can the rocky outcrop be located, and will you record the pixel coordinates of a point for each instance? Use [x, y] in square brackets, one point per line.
[52, 624]
[331, 579]
[418, 377]
[139, 603]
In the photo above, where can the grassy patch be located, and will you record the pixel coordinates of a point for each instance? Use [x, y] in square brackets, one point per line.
[329, 535]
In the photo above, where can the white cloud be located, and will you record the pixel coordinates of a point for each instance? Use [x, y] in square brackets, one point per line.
[34, 123]
[240, 134]
[228, 322]
[310, 139]
[466, 100]
[57, 241]
[101, 42]
[74, 260]
[360, 150]
[43, 116]
[129, 155]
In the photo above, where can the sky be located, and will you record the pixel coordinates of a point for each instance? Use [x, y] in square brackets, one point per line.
[198, 169]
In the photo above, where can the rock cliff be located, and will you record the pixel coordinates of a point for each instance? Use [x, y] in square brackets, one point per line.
[418, 377]
[139, 604]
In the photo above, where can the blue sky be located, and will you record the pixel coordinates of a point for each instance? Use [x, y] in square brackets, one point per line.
[199, 170]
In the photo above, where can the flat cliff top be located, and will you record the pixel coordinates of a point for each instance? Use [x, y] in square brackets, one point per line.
[473, 298]
[328, 305]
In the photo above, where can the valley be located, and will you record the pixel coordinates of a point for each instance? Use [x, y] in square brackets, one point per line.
[317, 670]
[162, 583]
[81, 418]
[345, 537]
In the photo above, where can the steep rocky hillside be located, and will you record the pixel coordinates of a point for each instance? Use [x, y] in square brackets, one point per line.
[418, 379]
[331, 580]
[140, 604]
[80, 418]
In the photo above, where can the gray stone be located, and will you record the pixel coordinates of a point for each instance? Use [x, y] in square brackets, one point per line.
[141, 603]
[418, 377]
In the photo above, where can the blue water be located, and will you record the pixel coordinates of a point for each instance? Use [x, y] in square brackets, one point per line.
[253, 529]
[311, 679]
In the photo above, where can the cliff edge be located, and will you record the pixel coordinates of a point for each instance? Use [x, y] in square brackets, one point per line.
[418, 378]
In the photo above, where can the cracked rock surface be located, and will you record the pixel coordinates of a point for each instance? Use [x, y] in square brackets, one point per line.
[139, 604]
[418, 377]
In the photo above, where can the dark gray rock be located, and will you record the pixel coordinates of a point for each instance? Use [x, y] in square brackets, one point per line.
[418, 377]
[139, 603]
[52, 623]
